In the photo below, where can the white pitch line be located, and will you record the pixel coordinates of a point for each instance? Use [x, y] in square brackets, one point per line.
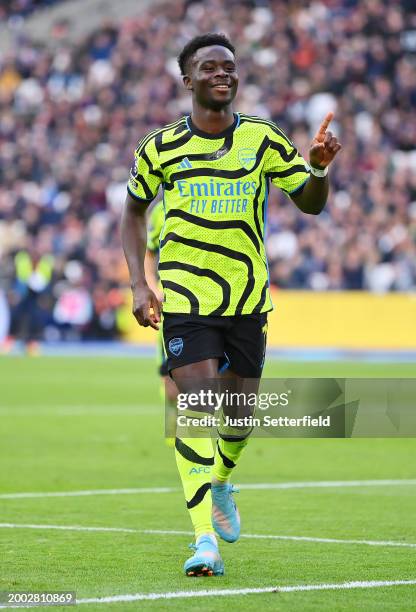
[90, 492]
[249, 486]
[371, 584]
[329, 540]
[67, 528]
[323, 484]
[81, 410]
[227, 592]
[76, 413]
[253, 536]
[103, 407]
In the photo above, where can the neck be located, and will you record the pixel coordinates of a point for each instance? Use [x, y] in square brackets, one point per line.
[212, 121]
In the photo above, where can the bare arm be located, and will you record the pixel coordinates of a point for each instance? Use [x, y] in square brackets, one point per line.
[146, 307]
[150, 270]
[314, 195]
[323, 149]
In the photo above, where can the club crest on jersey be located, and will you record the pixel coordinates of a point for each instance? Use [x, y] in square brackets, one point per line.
[176, 346]
[247, 158]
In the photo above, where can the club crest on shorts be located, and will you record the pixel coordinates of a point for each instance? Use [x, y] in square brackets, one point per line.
[176, 346]
[247, 158]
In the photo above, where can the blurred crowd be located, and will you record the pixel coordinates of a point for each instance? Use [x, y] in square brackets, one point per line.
[10, 9]
[70, 119]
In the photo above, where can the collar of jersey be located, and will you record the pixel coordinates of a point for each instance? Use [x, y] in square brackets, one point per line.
[192, 128]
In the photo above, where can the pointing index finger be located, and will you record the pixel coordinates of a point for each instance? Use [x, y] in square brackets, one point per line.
[324, 125]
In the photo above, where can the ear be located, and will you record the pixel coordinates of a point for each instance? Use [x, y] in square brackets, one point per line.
[187, 81]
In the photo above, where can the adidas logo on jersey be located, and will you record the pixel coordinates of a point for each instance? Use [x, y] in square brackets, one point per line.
[185, 163]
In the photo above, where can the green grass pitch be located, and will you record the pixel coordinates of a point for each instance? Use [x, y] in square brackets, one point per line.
[85, 424]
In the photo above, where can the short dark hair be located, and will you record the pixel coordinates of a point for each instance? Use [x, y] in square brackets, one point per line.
[205, 40]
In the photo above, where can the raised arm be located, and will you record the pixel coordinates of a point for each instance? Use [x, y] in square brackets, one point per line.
[324, 147]
[146, 307]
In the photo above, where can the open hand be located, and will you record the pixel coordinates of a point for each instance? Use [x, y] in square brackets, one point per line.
[324, 145]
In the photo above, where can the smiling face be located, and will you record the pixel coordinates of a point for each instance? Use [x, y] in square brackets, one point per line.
[212, 77]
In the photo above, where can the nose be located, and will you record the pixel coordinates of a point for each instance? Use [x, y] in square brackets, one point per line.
[220, 71]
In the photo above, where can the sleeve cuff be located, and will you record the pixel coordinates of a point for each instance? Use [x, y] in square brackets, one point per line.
[135, 197]
[300, 188]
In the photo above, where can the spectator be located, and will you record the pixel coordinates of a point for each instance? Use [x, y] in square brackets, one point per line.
[70, 120]
[22, 8]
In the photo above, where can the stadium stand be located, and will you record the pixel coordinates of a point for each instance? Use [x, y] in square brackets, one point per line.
[70, 120]
[23, 8]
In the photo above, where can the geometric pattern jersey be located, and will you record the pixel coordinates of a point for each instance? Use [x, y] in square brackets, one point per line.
[215, 187]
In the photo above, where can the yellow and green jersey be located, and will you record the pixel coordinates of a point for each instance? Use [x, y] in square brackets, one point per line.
[155, 223]
[215, 186]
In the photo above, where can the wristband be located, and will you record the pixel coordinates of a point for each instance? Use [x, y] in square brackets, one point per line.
[319, 172]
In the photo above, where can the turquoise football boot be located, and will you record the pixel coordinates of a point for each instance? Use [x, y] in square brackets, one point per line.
[206, 561]
[225, 515]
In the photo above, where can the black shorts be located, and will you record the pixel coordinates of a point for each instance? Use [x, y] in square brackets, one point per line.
[238, 342]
